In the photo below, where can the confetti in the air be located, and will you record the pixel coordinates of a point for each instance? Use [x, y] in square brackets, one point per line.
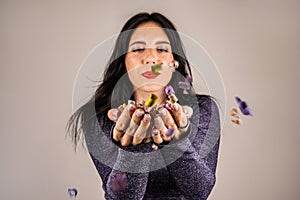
[186, 84]
[151, 100]
[169, 90]
[72, 193]
[119, 183]
[244, 108]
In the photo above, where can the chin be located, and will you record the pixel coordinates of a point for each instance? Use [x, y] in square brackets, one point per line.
[152, 87]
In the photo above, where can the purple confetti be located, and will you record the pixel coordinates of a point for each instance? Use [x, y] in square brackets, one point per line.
[72, 192]
[170, 132]
[243, 107]
[119, 183]
[169, 90]
[189, 78]
[184, 85]
[167, 106]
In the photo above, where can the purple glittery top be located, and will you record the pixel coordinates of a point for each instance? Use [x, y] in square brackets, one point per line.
[191, 176]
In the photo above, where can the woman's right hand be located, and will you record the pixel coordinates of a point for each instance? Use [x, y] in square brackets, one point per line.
[131, 124]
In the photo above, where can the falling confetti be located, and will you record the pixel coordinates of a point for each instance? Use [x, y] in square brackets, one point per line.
[119, 183]
[233, 112]
[237, 120]
[151, 100]
[156, 68]
[186, 84]
[243, 107]
[169, 90]
[72, 193]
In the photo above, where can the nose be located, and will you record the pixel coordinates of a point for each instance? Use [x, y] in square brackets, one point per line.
[150, 57]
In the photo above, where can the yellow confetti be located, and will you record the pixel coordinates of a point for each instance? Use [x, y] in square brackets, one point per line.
[156, 68]
[151, 100]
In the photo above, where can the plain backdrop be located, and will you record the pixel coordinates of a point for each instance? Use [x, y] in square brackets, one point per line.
[255, 44]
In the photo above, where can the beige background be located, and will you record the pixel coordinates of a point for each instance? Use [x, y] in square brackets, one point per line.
[255, 44]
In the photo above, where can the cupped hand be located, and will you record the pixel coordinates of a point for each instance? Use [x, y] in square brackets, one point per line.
[133, 124]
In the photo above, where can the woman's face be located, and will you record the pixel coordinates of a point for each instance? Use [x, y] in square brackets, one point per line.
[149, 45]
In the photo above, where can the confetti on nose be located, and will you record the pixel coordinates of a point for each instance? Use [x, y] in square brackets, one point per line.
[151, 100]
[119, 183]
[72, 193]
[244, 108]
[156, 68]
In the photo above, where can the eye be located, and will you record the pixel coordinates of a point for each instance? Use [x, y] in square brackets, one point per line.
[138, 49]
[162, 49]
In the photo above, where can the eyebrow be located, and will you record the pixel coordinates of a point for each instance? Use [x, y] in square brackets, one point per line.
[144, 43]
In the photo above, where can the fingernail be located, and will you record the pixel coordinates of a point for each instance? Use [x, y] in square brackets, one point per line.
[130, 107]
[170, 132]
[138, 113]
[176, 106]
[146, 118]
[131, 102]
[116, 113]
[162, 112]
[155, 132]
[167, 106]
[157, 120]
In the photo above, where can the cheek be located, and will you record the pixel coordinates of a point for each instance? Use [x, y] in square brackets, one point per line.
[130, 62]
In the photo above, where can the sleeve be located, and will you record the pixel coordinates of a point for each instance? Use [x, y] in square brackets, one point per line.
[194, 170]
[108, 158]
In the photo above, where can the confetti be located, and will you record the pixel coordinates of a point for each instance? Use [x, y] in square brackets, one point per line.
[154, 147]
[119, 183]
[151, 100]
[156, 68]
[184, 85]
[170, 132]
[72, 193]
[237, 121]
[243, 107]
[169, 90]
[233, 112]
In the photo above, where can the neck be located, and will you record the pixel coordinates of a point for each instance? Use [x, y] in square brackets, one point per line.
[141, 95]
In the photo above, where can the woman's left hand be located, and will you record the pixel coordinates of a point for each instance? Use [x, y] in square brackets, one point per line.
[179, 122]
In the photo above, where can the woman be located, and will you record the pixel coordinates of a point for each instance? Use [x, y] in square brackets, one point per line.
[143, 151]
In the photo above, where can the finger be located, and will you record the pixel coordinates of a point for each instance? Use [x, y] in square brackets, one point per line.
[160, 125]
[188, 111]
[123, 122]
[114, 114]
[141, 132]
[133, 125]
[156, 136]
[169, 123]
[178, 114]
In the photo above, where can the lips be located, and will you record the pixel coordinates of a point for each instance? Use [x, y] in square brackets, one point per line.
[150, 75]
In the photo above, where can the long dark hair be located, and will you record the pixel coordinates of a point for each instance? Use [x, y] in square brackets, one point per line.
[100, 102]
